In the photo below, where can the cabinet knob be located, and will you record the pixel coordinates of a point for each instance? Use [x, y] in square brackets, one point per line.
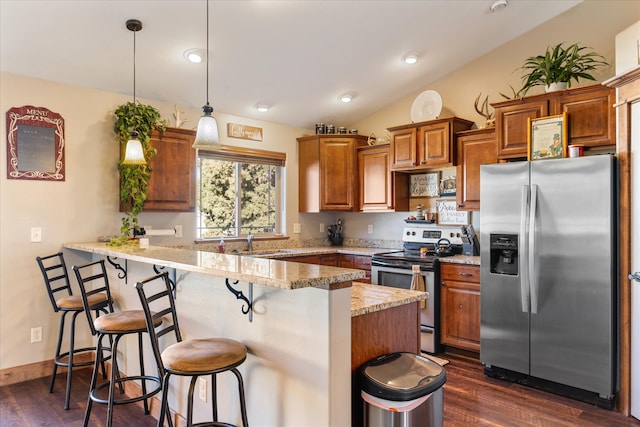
[460, 306]
[423, 163]
[459, 206]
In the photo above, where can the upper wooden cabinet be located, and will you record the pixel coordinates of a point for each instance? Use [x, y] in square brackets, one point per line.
[590, 114]
[172, 187]
[425, 145]
[380, 189]
[328, 172]
[474, 148]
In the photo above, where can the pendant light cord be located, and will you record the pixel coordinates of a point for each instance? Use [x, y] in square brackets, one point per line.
[207, 52]
[134, 68]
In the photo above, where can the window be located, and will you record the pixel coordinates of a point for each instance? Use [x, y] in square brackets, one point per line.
[240, 192]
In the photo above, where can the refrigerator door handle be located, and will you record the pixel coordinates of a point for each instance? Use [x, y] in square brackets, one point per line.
[524, 274]
[533, 283]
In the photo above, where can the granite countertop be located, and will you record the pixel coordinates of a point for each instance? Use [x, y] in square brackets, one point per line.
[461, 259]
[257, 270]
[320, 250]
[366, 298]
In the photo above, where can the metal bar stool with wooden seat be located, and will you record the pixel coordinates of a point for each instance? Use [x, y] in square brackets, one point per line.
[192, 358]
[56, 278]
[114, 325]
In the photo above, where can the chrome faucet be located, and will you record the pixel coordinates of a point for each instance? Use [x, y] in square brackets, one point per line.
[250, 242]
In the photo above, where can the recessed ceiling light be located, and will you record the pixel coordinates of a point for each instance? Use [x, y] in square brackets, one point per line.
[497, 5]
[347, 97]
[410, 58]
[263, 108]
[194, 55]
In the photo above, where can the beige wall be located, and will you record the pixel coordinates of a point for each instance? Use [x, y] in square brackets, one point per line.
[86, 205]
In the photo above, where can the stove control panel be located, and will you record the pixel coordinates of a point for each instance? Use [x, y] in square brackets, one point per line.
[432, 235]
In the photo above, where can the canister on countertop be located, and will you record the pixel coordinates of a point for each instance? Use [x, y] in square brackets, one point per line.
[331, 129]
[342, 130]
[320, 128]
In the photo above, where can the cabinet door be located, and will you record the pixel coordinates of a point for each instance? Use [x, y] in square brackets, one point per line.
[346, 261]
[330, 260]
[434, 144]
[362, 262]
[337, 174]
[591, 117]
[474, 148]
[376, 189]
[403, 149]
[511, 126]
[460, 306]
[172, 184]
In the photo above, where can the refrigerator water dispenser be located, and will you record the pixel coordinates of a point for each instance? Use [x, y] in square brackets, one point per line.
[504, 254]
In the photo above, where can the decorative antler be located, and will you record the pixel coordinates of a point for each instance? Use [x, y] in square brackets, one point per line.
[484, 111]
[513, 96]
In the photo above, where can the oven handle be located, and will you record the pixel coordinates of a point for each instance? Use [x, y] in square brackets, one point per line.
[395, 265]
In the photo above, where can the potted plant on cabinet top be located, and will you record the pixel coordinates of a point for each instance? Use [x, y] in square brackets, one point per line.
[134, 178]
[558, 66]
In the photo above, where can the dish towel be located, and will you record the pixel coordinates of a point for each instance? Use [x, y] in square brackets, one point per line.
[417, 283]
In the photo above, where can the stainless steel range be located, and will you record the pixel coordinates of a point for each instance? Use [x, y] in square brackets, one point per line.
[423, 244]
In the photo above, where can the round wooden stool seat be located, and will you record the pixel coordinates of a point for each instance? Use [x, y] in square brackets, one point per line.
[73, 302]
[203, 355]
[123, 322]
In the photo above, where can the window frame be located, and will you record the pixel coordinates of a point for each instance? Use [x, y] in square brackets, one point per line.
[240, 155]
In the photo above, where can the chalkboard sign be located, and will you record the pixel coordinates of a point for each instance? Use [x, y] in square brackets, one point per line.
[35, 144]
[448, 215]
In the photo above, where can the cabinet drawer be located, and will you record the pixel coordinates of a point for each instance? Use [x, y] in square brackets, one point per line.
[460, 272]
[362, 262]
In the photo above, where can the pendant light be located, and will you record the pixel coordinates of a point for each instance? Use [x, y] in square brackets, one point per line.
[207, 133]
[134, 154]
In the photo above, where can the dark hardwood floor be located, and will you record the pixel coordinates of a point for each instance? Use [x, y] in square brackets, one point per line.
[470, 398]
[29, 404]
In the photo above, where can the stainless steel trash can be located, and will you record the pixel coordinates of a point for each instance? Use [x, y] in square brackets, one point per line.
[402, 390]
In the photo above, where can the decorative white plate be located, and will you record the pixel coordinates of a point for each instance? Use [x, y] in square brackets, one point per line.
[426, 106]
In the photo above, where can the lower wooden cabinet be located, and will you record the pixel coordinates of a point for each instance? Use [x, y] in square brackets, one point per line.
[359, 262]
[460, 306]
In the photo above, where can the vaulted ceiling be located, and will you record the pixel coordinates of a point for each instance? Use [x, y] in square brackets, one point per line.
[296, 56]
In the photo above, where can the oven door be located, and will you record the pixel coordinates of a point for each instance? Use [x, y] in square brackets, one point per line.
[401, 278]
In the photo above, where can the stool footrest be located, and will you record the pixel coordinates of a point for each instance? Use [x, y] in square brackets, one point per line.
[92, 393]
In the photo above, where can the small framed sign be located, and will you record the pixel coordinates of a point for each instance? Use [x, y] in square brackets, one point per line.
[236, 130]
[35, 144]
[547, 137]
[424, 185]
[448, 215]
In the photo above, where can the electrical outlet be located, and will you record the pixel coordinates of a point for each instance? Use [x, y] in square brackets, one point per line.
[370, 229]
[202, 389]
[178, 229]
[36, 234]
[36, 334]
[322, 228]
[297, 228]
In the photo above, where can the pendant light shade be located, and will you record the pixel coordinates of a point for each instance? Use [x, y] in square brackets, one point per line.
[207, 136]
[134, 153]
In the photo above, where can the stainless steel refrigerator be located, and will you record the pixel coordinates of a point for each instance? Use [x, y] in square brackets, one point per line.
[548, 274]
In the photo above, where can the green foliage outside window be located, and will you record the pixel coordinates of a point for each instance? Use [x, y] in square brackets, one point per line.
[236, 198]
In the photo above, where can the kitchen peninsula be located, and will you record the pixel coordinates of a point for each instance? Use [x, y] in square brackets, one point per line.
[299, 367]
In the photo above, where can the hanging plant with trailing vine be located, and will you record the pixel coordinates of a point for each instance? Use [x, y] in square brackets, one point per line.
[134, 178]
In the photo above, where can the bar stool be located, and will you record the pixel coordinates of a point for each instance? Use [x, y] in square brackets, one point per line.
[192, 358]
[113, 325]
[56, 279]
